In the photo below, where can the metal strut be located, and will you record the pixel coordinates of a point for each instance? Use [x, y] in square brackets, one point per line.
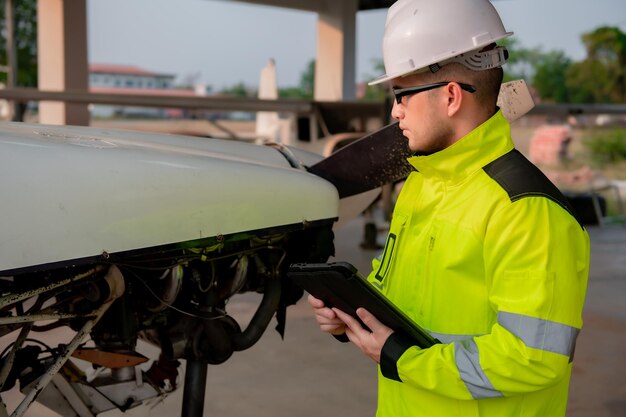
[116, 283]
[194, 388]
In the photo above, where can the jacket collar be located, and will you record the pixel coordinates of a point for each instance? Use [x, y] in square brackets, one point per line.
[470, 153]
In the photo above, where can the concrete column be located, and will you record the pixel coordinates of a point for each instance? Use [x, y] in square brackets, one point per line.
[62, 58]
[336, 50]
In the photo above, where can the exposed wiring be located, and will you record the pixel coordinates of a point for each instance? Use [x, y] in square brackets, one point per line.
[221, 315]
[198, 254]
[6, 349]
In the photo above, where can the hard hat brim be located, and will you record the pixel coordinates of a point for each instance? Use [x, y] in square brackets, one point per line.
[388, 77]
[382, 79]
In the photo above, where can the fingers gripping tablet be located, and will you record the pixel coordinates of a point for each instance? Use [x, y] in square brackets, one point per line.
[340, 285]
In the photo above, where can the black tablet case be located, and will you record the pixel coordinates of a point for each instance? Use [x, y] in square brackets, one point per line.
[340, 285]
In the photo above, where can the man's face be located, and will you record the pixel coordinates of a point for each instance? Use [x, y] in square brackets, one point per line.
[422, 116]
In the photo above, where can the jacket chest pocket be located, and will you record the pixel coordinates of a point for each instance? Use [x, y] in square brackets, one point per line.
[393, 240]
[452, 283]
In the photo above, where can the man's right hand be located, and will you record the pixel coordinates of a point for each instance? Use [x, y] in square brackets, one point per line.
[326, 317]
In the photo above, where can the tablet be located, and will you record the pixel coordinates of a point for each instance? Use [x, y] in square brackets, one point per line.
[340, 285]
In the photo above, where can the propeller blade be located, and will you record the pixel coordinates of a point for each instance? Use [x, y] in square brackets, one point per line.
[376, 159]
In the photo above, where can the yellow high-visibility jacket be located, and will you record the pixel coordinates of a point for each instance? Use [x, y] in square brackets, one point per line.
[486, 254]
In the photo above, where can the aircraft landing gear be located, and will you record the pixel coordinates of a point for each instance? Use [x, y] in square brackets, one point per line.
[194, 388]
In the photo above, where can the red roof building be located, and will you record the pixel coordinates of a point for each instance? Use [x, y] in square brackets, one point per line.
[128, 79]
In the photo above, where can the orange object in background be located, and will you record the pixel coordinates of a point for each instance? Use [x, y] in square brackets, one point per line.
[549, 144]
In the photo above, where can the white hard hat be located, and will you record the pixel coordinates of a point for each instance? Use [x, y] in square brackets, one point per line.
[423, 33]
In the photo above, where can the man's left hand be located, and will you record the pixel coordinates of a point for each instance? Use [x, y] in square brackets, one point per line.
[370, 343]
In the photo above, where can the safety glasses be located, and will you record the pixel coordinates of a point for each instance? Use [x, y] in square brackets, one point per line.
[407, 91]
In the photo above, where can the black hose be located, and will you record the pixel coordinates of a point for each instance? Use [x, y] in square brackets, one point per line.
[262, 317]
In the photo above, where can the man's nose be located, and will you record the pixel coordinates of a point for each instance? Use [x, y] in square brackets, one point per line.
[396, 111]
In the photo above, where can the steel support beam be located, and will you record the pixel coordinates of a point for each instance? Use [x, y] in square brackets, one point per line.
[157, 100]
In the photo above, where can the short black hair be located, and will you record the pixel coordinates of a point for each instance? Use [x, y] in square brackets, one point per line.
[487, 82]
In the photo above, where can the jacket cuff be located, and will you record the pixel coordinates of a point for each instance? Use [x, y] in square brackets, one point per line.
[393, 349]
[343, 338]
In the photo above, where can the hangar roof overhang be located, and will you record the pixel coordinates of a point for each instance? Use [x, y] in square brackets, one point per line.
[375, 4]
[315, 6]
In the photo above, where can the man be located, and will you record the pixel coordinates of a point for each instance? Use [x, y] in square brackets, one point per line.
[483, 251]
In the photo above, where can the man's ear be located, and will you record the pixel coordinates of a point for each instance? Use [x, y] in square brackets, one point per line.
[455, 97]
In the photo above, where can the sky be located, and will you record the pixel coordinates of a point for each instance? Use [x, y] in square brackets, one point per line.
[222, 42]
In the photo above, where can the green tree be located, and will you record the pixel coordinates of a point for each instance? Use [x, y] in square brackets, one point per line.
[603, 73]
[25, 38]
[550, 77]
[588, 81]
[307, 84]
[307, 79]
[379, 91]
[238, 90]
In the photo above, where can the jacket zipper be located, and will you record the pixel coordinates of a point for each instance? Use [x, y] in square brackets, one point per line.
[427, 278]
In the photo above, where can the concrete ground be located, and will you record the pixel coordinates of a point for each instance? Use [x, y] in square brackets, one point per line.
[309, 374]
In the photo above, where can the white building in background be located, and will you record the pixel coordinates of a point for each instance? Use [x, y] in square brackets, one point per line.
[126, 79]
[126, 76]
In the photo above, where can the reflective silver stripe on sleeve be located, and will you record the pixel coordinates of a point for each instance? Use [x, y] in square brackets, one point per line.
[451, 338]
[540, 334]
[468, 362]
